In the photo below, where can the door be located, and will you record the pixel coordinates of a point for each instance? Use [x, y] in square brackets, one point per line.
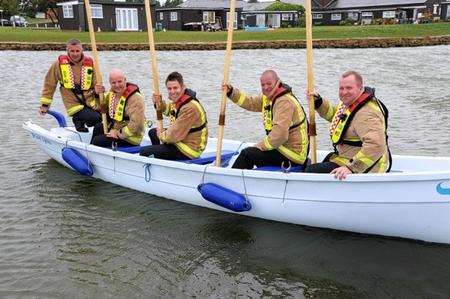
[127, 19]
[260, 20]
[276, 21]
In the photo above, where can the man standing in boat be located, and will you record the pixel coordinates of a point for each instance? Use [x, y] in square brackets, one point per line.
[284, 120]
[187, 134]
[125, 113]
[358, 130]
[76, 74]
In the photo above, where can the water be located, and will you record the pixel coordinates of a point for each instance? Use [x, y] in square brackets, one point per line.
[63, 235]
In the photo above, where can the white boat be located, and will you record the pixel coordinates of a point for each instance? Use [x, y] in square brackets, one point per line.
[413, 201]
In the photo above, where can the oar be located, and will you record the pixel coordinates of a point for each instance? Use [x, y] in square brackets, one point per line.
[151, 43]
[98, 73]
[310, 76]
[226, 77]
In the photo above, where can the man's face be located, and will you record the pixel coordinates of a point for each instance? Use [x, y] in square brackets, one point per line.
[118, 83]
[268, 82]
[349, 89]
[75, 52]
[174, 88]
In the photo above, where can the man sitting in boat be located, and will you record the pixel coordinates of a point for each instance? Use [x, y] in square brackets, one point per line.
[76, 74]
[187, 134]
[358, 130]
[125, 113]
[285, 123]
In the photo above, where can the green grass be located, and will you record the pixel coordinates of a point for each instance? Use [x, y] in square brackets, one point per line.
[8, 34]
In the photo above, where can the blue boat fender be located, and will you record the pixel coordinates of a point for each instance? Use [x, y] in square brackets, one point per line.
[59, 118]
[77, 161]
[224, 197]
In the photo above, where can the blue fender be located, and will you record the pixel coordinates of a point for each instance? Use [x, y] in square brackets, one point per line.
[59, 118]
[224, 197]
[77, 161]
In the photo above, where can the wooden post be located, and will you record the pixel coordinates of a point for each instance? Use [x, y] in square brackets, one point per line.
[98, 73]
[226, 78]
[155, 76]
[310, 76]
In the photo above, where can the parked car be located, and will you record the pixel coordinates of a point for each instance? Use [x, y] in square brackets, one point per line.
[5, 22]
[18, 21]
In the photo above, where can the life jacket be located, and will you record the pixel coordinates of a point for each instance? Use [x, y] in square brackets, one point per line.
[345, 119]
[267, 106]
[267, 114]
[117, 113]
[189, 95]
[67, 76]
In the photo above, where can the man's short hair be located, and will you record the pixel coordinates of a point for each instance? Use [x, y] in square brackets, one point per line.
[271, 72]
[73, 42]
[175, 76]
[358, 77]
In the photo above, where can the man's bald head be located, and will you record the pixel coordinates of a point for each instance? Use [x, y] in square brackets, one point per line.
[269, 79]
[117, 81]
[270, 74]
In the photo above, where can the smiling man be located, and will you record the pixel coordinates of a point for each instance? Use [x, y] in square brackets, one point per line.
[286, 140]
[125, 112]
[76, 74]
[187, 134]
[358, 130]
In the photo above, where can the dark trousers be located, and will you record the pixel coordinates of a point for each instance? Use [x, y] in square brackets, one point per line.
[100, 139]
[161, 151]
[252, 156]
[86, 116]
[323, 167]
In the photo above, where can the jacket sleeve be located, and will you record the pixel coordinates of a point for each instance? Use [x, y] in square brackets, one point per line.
[251, 103]
[370, 128]
[180, 128]
[50, 83]
[326, 110]
[135, 111]
[283, 112]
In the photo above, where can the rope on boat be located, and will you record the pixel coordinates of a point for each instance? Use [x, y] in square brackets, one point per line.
[204, 173]
[148, 173]
[285, 187]
[245, 188]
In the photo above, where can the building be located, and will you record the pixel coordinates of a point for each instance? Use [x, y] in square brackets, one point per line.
[199, 15]
[257, 15]
[107, 15]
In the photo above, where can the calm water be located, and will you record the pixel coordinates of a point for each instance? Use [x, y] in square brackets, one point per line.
[65, 235]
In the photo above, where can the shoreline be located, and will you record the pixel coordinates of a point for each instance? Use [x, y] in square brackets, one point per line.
[209, 46]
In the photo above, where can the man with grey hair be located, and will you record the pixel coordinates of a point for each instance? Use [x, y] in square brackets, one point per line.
[286, 141]
[358, 130]
[76, 74]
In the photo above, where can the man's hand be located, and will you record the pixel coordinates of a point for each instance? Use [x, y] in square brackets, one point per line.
[99, 88]
[227, 88]
[317, 98]
[114, 134]
[157, 99]
[159, 132]
[341, 172]
[43, 110]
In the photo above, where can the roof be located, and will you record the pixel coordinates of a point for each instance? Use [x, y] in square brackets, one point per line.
[210, 4]
[373, 3]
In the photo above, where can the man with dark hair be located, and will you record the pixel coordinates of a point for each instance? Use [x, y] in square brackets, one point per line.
[187, 134]
[284, 120]
[76, 74]
[126, 117]
[358, 130]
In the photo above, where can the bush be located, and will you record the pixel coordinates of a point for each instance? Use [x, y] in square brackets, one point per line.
[346, 22]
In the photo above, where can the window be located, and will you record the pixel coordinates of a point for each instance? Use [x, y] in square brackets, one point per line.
[317, 16]
[336, 17]
[389, 14]
[209, 17]
[353, 16]
[367, 14]
[97, 11]
[173, 16]
[161, 16]
[68, 11]
[286, 17]
[435, 9]
[235, 19]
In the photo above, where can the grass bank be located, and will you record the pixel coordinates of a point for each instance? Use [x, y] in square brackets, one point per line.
[30, 35]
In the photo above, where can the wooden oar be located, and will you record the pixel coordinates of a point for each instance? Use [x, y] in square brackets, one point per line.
[151, 43]
[226, 78]
[310, 76]
[98, 73]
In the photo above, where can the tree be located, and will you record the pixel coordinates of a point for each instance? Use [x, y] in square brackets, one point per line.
[280, 6]
[9, 7]
[172, 3]
[252, 1]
